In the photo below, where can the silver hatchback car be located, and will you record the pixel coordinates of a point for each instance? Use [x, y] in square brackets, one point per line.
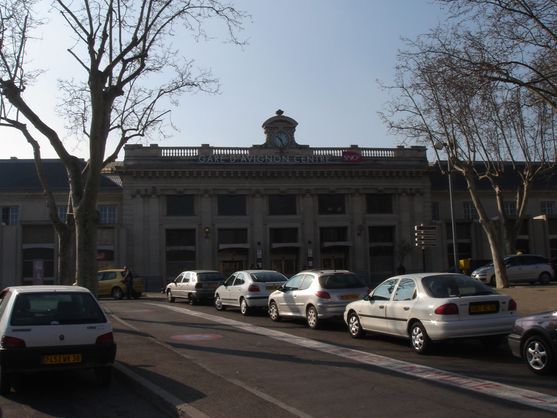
[520, 268]
[248, 289]
[316, 295]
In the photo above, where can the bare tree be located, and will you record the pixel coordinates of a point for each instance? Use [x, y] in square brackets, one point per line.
[122, 47]
[487, 128]
[511, 41]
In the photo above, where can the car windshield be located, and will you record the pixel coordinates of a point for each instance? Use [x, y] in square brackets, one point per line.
[268, 276]
[53, 308]
[210, 277]
[340, 281]
[454, 286]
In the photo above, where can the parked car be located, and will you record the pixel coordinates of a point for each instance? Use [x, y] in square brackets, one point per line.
[316, 295]
[248, 289]
[53, 328]
[194, 285]
[534, 339]
[520, 268]
[429, 307]
[111, 283]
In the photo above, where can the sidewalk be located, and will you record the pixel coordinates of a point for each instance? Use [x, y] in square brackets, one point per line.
[533, 298]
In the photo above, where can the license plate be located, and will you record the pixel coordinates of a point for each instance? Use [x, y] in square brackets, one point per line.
[272, 288]
[349, 297]
[61, 359]
[481, 308]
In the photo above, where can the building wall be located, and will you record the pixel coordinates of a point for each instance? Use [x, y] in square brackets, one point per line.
[151, 174]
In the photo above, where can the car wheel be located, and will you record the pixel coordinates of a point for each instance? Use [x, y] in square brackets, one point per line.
[421, 342]
[273, 311]
[117, 293]
[169, 296]
[244, 308]
[312, 317]
[218, 303]
[191, 300]
[538, 355]
[5, 383]
[544, 278]
[354, 326]
[103, 375]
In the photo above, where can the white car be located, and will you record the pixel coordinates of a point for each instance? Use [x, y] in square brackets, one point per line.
[248, 289]
[520, 268]
[194, 286]
[53, 328]
[429, 307]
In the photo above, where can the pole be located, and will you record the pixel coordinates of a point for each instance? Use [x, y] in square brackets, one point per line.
[453, 226]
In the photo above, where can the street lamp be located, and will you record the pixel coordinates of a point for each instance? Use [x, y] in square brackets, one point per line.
[439, 146]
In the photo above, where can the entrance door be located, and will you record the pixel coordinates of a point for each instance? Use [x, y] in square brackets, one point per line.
[227, 267]
[336, 259]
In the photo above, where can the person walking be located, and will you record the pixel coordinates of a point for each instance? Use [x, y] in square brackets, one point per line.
[128, 280]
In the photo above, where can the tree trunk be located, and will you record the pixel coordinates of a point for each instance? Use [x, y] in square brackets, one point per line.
[490, 231]
[499, 268]
[66, 255]
[86, 244]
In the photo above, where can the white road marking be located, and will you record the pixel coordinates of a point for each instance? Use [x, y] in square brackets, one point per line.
[484, 387]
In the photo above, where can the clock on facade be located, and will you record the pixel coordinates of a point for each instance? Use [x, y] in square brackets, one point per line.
[280, 139]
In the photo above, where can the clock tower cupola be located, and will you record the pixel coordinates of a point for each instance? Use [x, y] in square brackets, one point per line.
[279, 131]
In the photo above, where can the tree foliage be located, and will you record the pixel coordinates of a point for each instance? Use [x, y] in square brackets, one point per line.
[482, 96]
[130, 77]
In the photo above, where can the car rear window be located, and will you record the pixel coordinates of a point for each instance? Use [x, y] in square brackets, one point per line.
[340, 281]
[210, 277]
[268, 276]
[56, 308]
[454, 286]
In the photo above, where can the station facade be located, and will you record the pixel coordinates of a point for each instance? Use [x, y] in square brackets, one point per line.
[278, 205]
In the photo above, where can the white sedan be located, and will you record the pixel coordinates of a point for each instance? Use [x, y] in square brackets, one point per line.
[428, 307]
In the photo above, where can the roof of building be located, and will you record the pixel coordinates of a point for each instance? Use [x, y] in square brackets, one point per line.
[509, 180]
[21, 176]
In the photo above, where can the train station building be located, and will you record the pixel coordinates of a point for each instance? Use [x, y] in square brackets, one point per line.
[279, 204]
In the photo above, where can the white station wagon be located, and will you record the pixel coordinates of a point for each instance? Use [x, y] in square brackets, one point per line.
[428, 307]
[53, 328]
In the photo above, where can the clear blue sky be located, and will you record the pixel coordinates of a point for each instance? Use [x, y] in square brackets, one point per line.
[318, 60]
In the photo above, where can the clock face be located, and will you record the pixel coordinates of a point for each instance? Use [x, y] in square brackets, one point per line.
[280, 139]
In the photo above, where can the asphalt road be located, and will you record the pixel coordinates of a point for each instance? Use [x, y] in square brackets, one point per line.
[72, 395]
[222, 364]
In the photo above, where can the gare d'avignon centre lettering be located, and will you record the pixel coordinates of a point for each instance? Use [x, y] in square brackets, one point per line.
[274, 159]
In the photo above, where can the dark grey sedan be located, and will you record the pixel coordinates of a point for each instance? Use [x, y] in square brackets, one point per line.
[534, 339]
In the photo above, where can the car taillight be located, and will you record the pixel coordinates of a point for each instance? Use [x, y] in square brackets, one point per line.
[253, 288]
[12, 342]
[107, 338]
[447, 309]
[512, 305]
[322, 294]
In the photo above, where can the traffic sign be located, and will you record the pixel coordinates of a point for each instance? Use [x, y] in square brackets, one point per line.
[426, 235]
